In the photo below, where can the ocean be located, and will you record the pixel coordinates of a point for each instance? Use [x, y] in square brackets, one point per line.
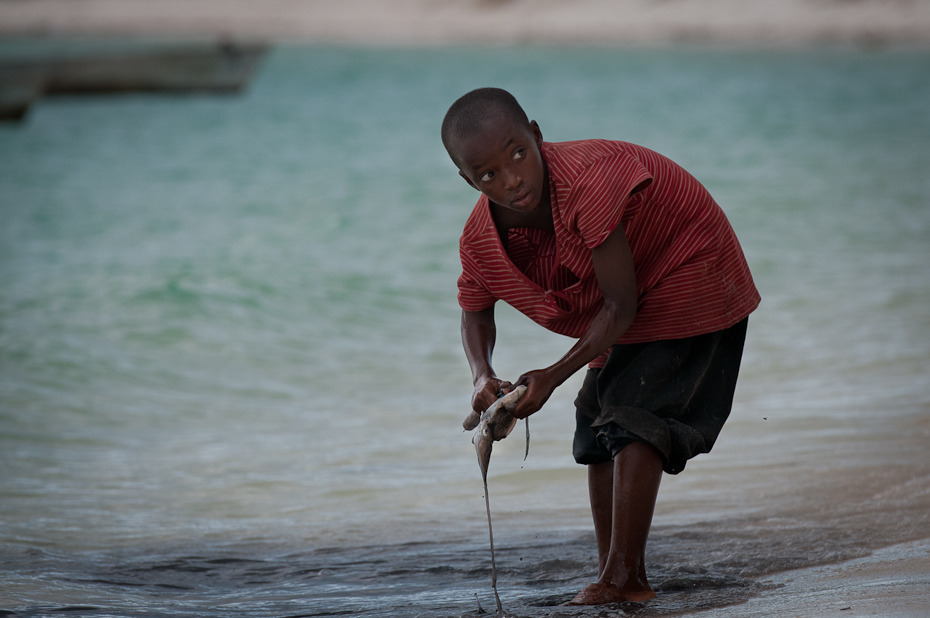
[231, 378]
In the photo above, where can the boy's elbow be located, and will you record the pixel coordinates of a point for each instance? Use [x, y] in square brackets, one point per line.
[629, 313]
[621, 312]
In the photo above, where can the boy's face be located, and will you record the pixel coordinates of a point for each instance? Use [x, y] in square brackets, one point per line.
[503, 160]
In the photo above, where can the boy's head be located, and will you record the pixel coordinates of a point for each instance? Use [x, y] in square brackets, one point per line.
[471, 111]
[496, 148]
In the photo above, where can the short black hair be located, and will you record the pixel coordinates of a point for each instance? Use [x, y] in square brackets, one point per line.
[469, 112]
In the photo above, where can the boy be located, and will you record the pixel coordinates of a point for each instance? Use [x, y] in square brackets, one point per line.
[619, 247]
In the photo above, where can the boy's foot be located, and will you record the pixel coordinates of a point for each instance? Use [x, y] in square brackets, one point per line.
[601, 594]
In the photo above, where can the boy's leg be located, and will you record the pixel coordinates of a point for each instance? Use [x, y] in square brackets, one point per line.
[636, 474]
[601, 493]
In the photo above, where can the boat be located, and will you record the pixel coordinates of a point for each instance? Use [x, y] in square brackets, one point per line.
[218, 68]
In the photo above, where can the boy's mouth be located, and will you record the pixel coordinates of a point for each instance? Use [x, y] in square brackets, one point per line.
[522, 200]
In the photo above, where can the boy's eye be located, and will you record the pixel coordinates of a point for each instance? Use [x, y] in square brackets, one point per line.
[487, 177]
[519, 153]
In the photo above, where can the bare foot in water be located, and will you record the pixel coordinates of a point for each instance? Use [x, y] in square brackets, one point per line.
[601, 594]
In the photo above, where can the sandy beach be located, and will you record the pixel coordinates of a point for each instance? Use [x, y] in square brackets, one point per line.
[891, 582]
[431, 22]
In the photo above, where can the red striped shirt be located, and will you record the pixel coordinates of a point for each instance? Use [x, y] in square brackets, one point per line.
[691, 274]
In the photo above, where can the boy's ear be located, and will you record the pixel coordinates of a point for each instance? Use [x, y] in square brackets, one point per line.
[468, 180]
[537, 133]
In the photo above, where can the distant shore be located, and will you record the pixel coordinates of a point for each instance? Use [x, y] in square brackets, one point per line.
[757, 23]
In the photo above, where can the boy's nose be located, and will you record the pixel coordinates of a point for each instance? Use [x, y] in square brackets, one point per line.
[512, 180]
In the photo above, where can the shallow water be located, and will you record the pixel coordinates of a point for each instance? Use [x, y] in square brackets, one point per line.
[230, 372]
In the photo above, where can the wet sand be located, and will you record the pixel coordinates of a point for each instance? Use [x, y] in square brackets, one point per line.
[893, 581]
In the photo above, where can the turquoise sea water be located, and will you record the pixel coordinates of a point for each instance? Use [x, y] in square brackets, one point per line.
[230, 373]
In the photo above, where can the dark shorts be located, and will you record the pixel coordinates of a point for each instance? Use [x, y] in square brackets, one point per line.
[673, 394]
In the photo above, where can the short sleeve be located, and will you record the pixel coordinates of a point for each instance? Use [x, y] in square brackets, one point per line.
[473, 295]
[600, 195]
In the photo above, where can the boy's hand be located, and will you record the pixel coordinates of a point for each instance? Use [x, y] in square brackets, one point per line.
[487, 391]
[539, 387]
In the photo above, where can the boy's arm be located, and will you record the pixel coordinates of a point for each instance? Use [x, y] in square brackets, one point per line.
[478, 336]
[613, 267]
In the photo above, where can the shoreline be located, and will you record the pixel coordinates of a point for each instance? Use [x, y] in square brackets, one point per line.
[889, 581]
[746, 23]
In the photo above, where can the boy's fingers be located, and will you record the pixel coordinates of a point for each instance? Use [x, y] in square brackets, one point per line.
[505, 387]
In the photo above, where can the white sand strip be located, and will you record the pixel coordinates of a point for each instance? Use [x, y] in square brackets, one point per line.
[411, 22]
